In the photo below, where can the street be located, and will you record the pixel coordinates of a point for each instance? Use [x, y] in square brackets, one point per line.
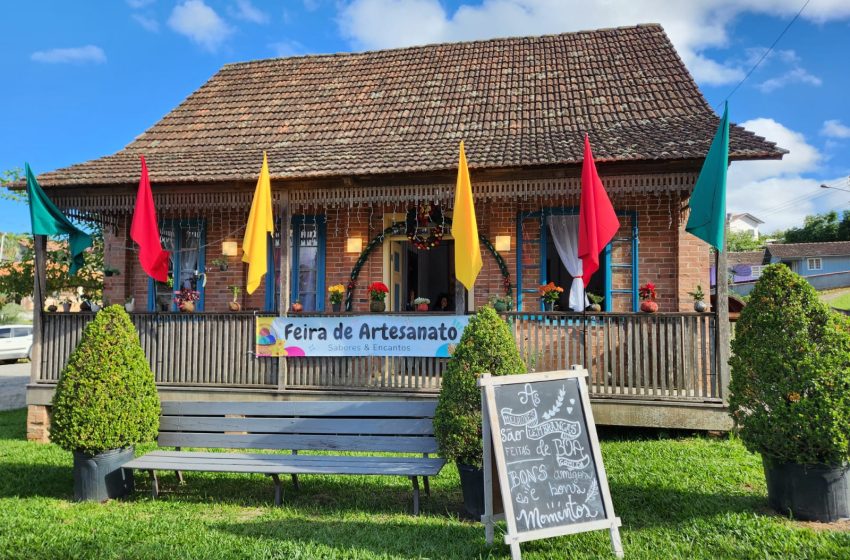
[13, 382]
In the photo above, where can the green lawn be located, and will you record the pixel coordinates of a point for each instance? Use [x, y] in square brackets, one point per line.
[840, 302]
[685, 497]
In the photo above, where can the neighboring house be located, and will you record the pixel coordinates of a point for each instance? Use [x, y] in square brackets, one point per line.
[358, 142]
[745, 222]
[746, 266]
[811, 259]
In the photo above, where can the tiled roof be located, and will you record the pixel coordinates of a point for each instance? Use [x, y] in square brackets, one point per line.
[516, 102]
[745, 257]
[804, 250]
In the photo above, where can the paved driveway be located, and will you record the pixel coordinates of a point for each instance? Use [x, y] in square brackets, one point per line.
[13, 383]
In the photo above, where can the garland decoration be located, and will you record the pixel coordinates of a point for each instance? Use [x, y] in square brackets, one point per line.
[425, 226]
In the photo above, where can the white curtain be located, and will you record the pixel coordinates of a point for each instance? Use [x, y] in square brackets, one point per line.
[564, 230]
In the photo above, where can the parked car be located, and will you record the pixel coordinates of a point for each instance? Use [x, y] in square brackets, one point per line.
[15, 342]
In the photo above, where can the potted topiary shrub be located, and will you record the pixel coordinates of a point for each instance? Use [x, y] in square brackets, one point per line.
[595, 302]
[105, 403]
[487, 345]
[699, 300]
[790, 395]
[501, 303]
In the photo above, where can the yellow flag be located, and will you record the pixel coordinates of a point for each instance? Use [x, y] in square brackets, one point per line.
[464, 228]
[260, 224]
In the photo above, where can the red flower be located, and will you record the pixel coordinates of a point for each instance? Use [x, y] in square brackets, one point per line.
[378, 287]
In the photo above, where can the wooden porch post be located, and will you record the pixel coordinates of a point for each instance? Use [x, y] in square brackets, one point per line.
[38, 290]
[723, 329]
[283, 305]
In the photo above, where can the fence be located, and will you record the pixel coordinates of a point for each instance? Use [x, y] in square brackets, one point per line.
[632, 356]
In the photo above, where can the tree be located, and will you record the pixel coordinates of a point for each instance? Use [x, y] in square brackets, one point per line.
[738, 241]
[822, 227]
[7, 178]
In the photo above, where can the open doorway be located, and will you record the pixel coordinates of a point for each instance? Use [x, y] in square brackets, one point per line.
[422, 273]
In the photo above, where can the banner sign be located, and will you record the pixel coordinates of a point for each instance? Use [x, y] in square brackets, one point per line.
[410, 335]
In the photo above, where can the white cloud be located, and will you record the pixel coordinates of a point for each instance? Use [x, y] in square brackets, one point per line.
[136, 4]
[794, 76]
[146, 22]
[287, 48]
[200, 23]
[781, 192]
[833, 128]
[246, 11]
[694, 26]
[74, 55]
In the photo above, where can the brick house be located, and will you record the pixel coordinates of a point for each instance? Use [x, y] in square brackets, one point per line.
[357, 141]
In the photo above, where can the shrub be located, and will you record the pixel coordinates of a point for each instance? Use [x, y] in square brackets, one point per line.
[790, 386]
[106, 397]
[9, 313]
[487, 345]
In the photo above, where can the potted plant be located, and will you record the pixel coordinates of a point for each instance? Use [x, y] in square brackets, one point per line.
[501, 303]
[221, 263]
[789, 395]
[185, 299]
[647, 295]
[335, 294]
[421, 303]
[105, 403]
[297, 307]
[699, 300]
[52, 308]
[377, 293]
[66, 305]
[129, 304]
[550, 293]
[595, 302]
[110, 271]
[487, 345]
[234, 304]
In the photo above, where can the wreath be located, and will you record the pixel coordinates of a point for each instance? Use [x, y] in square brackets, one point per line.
[425, 226]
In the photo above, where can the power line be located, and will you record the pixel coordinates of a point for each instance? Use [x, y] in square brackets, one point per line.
[764, 55]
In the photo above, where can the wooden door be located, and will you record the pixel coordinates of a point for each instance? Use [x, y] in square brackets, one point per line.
[396, 296]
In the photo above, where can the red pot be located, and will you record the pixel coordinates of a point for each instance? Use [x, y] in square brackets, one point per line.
[648, 306]
[421, 307]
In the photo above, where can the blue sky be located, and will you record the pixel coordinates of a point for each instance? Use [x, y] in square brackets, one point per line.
[82, 79]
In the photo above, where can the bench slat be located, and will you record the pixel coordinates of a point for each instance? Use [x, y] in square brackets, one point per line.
[288, 464]
[398, 409]
[362, 426]
[402, 444]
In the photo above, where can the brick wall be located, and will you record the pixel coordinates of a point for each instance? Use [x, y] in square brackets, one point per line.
[674, 260]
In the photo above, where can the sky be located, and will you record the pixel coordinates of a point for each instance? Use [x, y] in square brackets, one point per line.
[80, 80]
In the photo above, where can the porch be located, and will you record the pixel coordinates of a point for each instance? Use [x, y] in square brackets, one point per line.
[656, 370]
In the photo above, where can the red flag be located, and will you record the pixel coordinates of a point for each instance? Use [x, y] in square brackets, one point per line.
[145, 231]
[597, 221]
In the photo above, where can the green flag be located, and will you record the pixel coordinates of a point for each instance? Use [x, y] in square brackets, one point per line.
[49, 220]
[708, 202]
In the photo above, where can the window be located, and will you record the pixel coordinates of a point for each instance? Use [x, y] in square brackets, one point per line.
[6, 333]
[307, 254]
[814, 263]
[755, 271]
[185, 240]
[21, 332]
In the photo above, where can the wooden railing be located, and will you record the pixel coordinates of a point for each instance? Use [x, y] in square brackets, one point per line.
[665, 356]
[637, 356]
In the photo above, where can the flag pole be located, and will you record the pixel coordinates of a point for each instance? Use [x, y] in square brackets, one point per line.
[722, 312]
[38, 290]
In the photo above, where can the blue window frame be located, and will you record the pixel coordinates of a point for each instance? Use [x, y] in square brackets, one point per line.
[307, 276]
[606, 265]
[186, 240]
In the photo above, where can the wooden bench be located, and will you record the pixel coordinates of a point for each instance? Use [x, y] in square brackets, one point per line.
[367, 426]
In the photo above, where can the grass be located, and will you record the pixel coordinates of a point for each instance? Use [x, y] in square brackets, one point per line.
[678, 496]
[840, 302]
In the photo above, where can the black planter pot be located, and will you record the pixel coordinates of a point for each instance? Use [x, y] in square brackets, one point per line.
[472, 484]
[336, 307]
[100, 477]
[808, 492]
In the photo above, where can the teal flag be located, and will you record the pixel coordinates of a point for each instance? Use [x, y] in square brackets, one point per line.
[708, 203]
[49, 220]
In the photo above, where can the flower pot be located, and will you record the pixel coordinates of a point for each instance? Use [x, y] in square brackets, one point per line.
[808, 492]
[472, 485]
[187, 306]
[336, 307]
[52, 308]
[500, 306]
[549, 305]
[130, 306]
[85, 306]
[648, 306]
[66, 307]
[700, 306]
[594, 308]
[100, 477]
[377, 306]
[297, 307]
[421, 307]
[234, 306]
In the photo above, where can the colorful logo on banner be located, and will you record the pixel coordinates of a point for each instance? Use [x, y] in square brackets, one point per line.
[360, 335]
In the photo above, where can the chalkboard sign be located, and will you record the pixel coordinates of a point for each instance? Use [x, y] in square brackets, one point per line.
[547, 456]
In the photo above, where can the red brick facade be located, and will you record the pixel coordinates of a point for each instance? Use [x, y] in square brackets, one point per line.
[674, 260]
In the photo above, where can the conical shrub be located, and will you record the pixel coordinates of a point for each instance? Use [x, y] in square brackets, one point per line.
[790, 385]
[106, 397]
[487, 345]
